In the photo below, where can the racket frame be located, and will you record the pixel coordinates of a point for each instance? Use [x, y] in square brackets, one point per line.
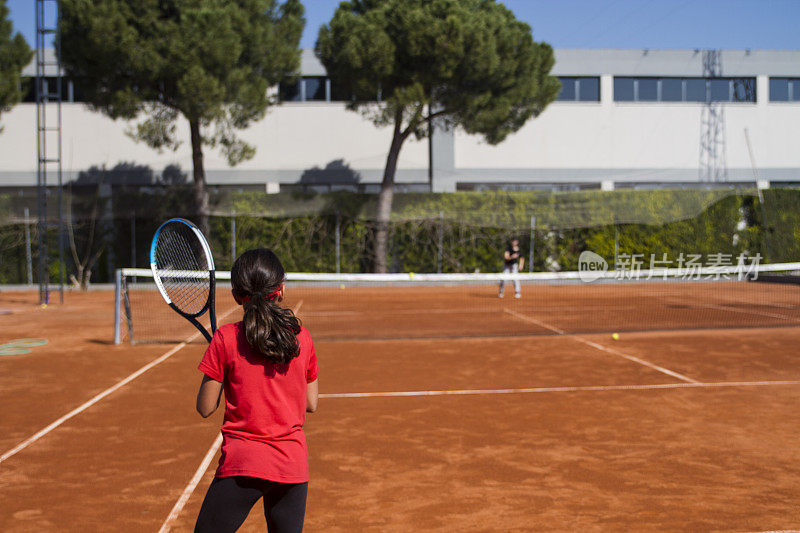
[209, 305]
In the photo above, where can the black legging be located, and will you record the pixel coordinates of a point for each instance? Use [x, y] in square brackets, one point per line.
[229, 500]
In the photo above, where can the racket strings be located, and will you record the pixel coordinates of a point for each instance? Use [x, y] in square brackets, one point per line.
[183, 267]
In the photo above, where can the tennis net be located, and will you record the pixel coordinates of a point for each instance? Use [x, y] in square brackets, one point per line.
[400, 306]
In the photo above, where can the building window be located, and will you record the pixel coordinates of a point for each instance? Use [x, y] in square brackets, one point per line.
[784, 89]
[624, 90]
[315, 88]
[720, 90]
[70, 91]
[579, 89]
[647, 90]
[695, 89]
[650, 89]
[671, 89]
[744, 89]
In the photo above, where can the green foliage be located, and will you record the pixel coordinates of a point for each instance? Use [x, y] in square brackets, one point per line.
[14, 55]
[470, 60]
[211, 61]
[782, 235]
[302, 227]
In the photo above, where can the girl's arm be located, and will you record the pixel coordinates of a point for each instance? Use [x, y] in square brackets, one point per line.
[208, 396]
[312, 395]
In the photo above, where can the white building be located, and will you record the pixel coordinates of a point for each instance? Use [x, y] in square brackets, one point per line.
[625, 118]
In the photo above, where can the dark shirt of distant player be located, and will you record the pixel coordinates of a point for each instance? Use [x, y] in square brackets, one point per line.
[513, 254]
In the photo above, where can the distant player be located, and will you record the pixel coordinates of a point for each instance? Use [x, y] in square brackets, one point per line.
[268, 368]
[513, 262]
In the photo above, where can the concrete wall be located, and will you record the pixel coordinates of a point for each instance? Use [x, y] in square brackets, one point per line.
[570, 143]
[632, 141]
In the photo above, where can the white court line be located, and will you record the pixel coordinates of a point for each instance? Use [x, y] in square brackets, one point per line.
[198, 475]
[578, 338]
[726, 306]
[753, 312]
[635, 359]
[187, 492]
[466, 392]
[41, 433]
[532, 320]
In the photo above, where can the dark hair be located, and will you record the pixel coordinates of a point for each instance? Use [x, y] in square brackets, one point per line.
[271, 330]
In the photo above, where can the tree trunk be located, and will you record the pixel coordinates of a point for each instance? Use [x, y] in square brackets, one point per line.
[199, 173]
[386, 195]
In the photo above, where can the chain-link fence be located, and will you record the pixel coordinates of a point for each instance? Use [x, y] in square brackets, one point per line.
[110, 227]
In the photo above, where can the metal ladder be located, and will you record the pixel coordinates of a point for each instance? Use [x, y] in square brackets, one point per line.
[48, 156]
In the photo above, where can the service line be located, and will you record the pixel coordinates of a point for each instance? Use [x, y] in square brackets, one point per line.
[600, 347]
[469, 392]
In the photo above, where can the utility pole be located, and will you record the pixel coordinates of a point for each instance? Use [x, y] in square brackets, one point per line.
[713, 166]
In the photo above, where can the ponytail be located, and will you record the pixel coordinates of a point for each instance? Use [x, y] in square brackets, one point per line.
[271, 330]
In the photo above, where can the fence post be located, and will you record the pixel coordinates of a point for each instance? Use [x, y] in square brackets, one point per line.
[440, 247]
[616, 241]
[233, 237]
[337, 238]
[530, 255]
[29, 262]
[133, 238]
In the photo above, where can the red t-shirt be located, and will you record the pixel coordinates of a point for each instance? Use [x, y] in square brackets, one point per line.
[265, 407]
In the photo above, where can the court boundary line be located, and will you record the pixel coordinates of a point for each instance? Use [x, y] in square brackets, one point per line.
[532, 390]
[199, 473]
[84, 406]
[600, 347]
[741, 329]
[189, 489]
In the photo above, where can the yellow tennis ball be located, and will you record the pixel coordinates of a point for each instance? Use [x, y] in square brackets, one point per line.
[341, 286]
[410, 274]
[44, 306]
[615, 336]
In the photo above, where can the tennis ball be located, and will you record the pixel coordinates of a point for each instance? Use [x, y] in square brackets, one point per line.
[341, 286]
[615, 336]
[410, 274]
[44, 306]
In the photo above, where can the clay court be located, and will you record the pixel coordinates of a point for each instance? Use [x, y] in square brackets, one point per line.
[441, 410]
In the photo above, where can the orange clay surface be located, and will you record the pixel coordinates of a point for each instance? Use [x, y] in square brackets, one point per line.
[683, 430]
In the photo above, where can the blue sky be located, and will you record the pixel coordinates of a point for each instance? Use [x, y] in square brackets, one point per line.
[736, 24]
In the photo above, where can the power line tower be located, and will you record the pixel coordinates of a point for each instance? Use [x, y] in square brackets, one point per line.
[48, 137]
[713, 166]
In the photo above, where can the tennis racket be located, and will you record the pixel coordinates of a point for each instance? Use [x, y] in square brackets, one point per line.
[183, 269]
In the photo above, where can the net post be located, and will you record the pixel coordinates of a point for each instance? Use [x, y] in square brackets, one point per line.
[117, 317]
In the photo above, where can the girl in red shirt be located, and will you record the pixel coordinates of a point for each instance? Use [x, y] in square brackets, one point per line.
[268, 369]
